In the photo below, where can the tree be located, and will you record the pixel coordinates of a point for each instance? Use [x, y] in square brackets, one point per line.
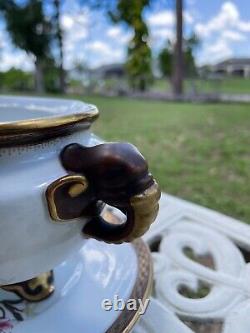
[30, 31]
[59, 38]
[166, 58]
[178, 58]
[139, 57]
[190, 45]
[16, 80]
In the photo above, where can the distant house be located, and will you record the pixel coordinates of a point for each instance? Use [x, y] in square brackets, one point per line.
[233, 67]
[112, 71]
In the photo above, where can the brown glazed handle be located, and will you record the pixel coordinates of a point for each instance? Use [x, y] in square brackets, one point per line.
[117, 174]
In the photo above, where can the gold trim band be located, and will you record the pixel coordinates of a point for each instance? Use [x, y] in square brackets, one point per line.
[142, 289]
[42, 124]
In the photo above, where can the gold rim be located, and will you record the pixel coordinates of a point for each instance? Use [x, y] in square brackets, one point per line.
[147, 294]
[142, 289]
[41, 124]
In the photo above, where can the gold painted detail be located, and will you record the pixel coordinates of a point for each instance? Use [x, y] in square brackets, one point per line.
[146, 207]
[142, 289]
[33, 290]
[79, 185]
[77, 189]
[142, 210]
[43, 124]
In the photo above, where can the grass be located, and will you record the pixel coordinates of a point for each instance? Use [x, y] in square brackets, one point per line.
[197, 152]
[227, 85]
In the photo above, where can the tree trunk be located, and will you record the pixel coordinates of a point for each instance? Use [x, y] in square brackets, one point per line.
[59, 36]
[142, 85]
[39, 77]
[62, 76]
[178, 58]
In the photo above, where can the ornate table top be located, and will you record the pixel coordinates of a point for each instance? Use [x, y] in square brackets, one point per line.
[201, 272]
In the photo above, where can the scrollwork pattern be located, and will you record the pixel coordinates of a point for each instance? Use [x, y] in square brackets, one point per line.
[183, 226]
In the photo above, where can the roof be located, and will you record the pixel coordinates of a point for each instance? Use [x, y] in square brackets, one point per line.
[109, 67]
[234, 62]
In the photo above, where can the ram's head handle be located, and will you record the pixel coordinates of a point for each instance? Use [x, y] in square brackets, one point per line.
[112, 173]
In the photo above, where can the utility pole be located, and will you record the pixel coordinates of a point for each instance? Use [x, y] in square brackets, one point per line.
[178, 55]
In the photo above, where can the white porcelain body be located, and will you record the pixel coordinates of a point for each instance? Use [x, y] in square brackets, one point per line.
[96, 272]
[30, 243]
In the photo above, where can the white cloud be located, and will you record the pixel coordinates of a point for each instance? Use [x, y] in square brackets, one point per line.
[217, 34]
[76, 30]
[244, 26]
[90, 38]
[4, 40]
[163, 33]
[104, 53]
[220, 33]
[99, 46]
[230, 10]
[17, 59]
[118, 35]
[163, 18]
[11, 57]
[233, 35]
[162, 26]
[212, 54]
[228, 17]
[83, 39]
[166, 18]
[217, 51]
[67, 22]
[188, 18]
[75, 26]
[114, 32]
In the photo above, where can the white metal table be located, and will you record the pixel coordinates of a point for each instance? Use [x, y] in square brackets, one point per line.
[198, 251]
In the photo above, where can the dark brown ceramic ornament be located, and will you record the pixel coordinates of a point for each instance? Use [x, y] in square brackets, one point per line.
[112, 173]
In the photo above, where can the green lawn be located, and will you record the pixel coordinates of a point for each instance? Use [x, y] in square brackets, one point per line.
[227, 85]
[197, 152]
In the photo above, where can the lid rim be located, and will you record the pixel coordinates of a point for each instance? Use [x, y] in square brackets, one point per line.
[85, 113]
[42, 124]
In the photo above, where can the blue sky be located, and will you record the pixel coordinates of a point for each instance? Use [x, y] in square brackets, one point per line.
[222, 26]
